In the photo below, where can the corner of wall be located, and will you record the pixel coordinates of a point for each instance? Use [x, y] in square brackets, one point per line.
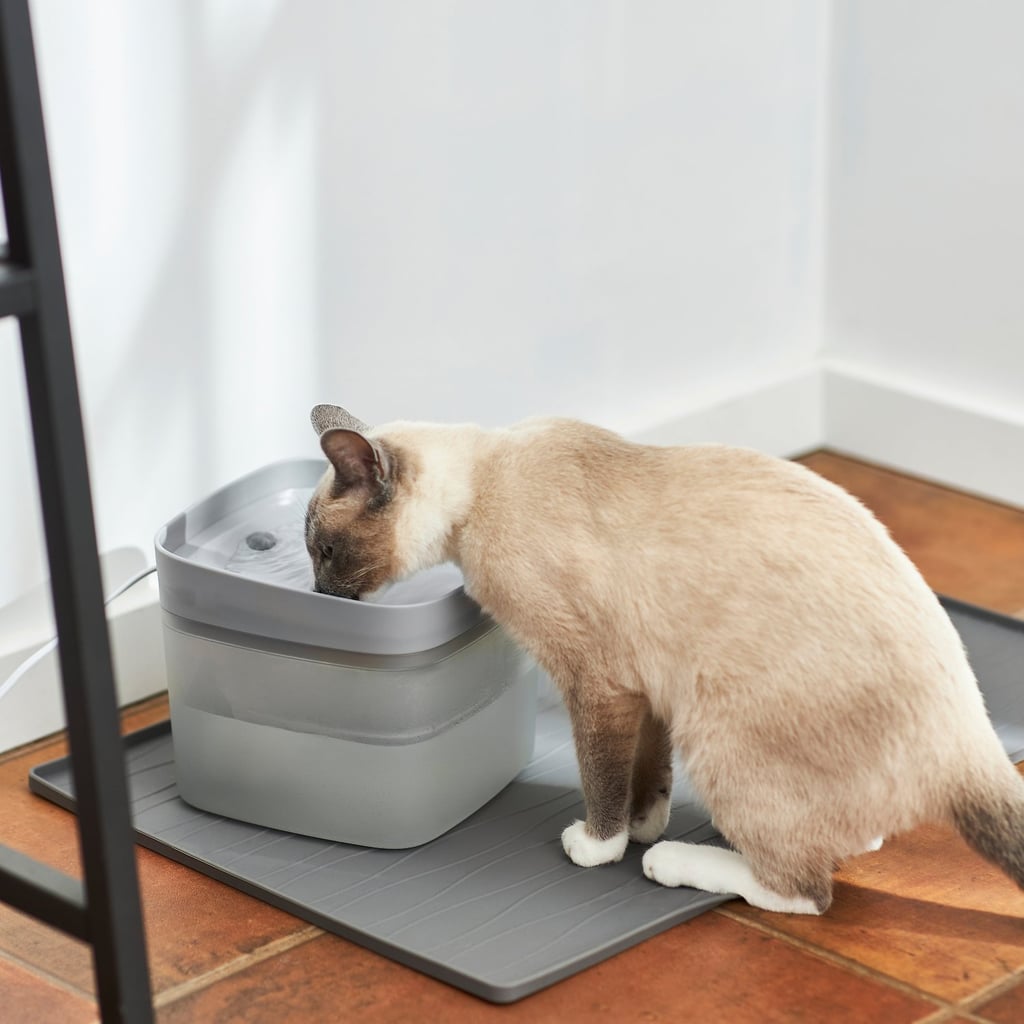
[784, 416]
[940, 437]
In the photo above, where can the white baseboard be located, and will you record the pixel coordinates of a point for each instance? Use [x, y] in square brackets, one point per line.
[940, 437]
[782, 417]
[873, 416]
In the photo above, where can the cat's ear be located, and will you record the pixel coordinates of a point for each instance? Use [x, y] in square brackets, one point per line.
[357, 461]
[333, 417]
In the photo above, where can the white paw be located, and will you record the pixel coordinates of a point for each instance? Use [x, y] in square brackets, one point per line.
[712, 869]
[875, 845]
[587, 851]
[651, 825]
[671, 864]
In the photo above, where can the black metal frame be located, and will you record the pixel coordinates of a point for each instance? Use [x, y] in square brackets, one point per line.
[106, 910]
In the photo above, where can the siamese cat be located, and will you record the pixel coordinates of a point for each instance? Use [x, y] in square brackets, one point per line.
[714, 601]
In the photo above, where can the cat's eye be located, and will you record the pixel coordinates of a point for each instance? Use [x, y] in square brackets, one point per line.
[327, 551]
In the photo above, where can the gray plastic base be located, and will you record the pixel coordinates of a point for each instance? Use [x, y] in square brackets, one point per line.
[493, 906]
[391, 797]
[388, 758]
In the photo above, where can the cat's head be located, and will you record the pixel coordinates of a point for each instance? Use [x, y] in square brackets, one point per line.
[350, 521]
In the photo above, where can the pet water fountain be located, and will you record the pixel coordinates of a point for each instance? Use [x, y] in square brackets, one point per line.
[380, 723]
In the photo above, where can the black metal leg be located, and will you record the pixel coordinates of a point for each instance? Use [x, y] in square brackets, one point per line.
[32, 288]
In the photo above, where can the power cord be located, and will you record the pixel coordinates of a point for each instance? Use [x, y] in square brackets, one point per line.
[33, 659]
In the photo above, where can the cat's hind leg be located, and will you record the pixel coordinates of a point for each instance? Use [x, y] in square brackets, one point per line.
[651, 790]
[717, 870]
[605, 728]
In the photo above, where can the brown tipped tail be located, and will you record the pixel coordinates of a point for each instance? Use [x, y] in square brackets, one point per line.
[992, 822]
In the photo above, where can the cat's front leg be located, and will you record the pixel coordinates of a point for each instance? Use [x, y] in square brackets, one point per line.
[605, 728]
[651, 794]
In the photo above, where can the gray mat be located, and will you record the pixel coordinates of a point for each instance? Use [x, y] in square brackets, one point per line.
[493, 907]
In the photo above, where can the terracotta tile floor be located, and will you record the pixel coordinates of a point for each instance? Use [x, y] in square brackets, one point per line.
[923, 930]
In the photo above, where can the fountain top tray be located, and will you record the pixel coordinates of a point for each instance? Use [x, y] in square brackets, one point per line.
[237, 561]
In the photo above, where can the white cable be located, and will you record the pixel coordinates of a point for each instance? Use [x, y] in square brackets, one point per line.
[36, 656]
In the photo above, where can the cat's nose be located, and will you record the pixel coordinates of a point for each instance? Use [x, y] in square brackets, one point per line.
[352, 595]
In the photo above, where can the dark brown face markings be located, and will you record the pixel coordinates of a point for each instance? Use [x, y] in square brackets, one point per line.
[350, 538]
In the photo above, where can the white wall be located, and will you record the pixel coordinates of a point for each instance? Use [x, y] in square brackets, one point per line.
[451, 210]
[774, 224]
[925, 280]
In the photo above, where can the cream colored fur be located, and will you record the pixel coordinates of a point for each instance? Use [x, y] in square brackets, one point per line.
[443, 491]
[755, 613]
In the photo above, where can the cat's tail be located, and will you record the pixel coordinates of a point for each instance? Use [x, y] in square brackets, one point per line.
[989, 813]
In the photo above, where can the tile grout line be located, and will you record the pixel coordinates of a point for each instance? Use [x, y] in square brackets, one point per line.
[240, 963]
[838, 960]
[944, 1011]
[44, 975]
[952, 1014]
[991, 991]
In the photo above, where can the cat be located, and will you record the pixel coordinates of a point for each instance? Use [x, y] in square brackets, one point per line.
[714, 601]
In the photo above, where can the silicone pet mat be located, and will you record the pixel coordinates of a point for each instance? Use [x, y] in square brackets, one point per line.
[494, 906]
